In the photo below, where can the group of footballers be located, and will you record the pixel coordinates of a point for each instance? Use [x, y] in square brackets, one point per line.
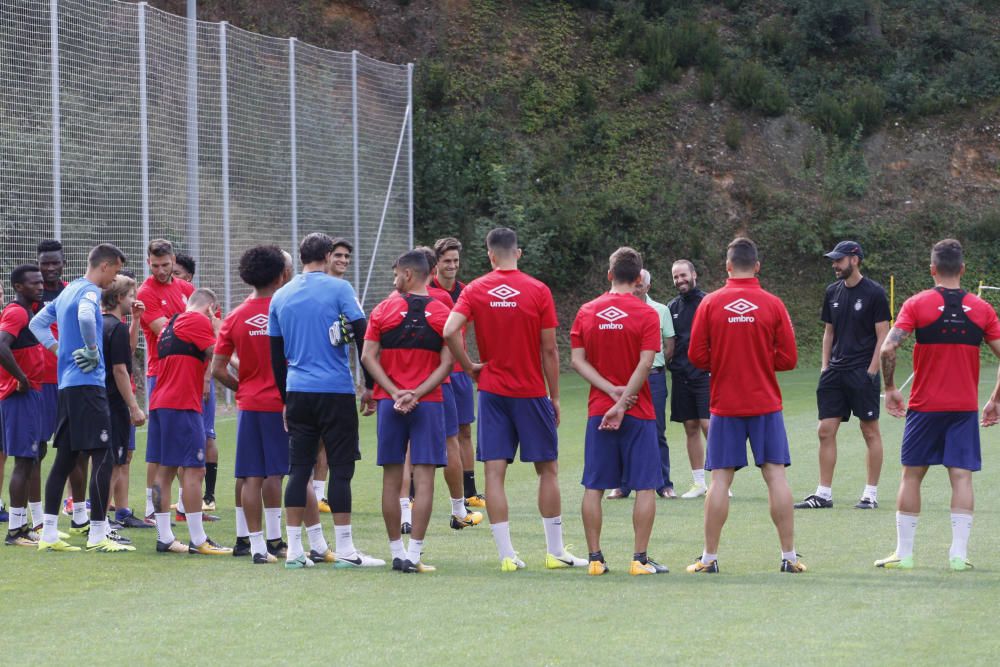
[66, 353]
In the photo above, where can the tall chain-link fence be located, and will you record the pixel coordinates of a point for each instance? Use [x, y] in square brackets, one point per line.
[103, 138]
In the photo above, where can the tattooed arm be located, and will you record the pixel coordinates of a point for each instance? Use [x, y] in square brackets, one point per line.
[894, 403]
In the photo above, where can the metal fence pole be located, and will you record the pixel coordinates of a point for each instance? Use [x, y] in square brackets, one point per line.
[227, 259]
[295, 154]
[194, 227]
[56, 152]
[354, 143]
[409, 148]
[143, 134]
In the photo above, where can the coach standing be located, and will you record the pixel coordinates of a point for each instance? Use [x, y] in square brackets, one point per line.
[856, 317]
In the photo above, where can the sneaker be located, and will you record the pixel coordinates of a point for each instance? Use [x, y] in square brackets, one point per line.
[814, 502]
[477, 501]
[242, 547]
[357, 559]
[175, 547]
[209, 548]
[21, 538]
[324, 506]
[264, 559]
[793, 568]
[698, 567]
[565, 560]
[959, 564]
[36, 533]
[615, 494]
[150, 521]
[471, 519]
[132, 521]
[514, 564]
[328, 557]
[58, 545]
[866, 504]
[894, 562]
[117, 537]
[596, 568]
[4, 514]
[208, 505]
[667, 492]
[405, 528]
[277, 548]
[299, 563]
[67, 508]
[79, 529]
[409, 567]
[397, 564]
[649, 567]
[696, 491]
[182, 517]
[109, 546]
[209, 517]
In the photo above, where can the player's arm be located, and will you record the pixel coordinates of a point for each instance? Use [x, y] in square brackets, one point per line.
[41, 327]
[881, 331]
[138, 308]
[828, 347]
[894, 403]
[279, 365]
[669, 344]
[87, 358]
[786, 354]
[667, 335]
[124, 384]
[613, 417]
[370, 360]
[10, 365]
[550, 367]
[359, 327]
[220, 371]
[991, 411]
[586, 370]
[437, 377]
[699, 344]
[453, 337]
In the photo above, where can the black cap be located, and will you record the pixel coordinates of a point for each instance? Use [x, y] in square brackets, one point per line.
[845, 249]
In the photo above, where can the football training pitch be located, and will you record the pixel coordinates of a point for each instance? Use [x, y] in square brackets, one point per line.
[144, 607]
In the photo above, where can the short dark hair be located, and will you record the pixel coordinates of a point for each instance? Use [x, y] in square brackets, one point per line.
[340, 240]
[261, 265]
[688, 262]
[432, 258]
[415, 260]
[128, 273]
[202, 296]
[105, 252]
[947, 258]
[501, 239]
[18, 275]
[447, 244]
[159, 248]
[742, 252]
[626, 265]
[315, 247]
[49, 245]
[186, 261]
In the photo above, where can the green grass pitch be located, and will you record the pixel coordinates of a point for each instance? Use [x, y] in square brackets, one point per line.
[145, 608]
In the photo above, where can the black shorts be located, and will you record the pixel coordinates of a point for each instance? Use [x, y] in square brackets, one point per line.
[330, 417]
[121, 432]
[689, 398]
[83, 422]
[841, 392]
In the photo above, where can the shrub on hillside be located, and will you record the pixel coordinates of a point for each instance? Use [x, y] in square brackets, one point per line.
[750, 85]
[828, 24]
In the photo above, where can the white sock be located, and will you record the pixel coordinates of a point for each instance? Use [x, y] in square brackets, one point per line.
[241, 524]
[272, 523]
[699, 477]
[553, 534]
[790, 556]
[406, 515]
[961, 526]
[707, 558]
[501, 535]
[80, 512]
[906, 530]
[37, 516]
[319, 489]
[196, 528]
[294, 542]
[50, 528]
[98, 531]
[824, 492]
[150, 510]
[870, 492]
[257, 544]
[180, 502]
[164, 533]
[317, 540]
[458, 508]
[344, 540]
[18, 517]
[413, 550]
[397, 550]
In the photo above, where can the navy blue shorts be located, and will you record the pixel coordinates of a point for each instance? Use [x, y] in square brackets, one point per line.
[150, 385]
[50, 411]
[727, 441]
[208, 412]
[628, 457]
[423, 429]
[465, 402]
[950, 439]
[505, 422]
[179, 436]
[131, 438]
[121, 431]
[22, 424]
[261, 444]
[450, 411]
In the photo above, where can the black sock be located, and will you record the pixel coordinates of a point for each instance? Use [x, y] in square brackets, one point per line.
[211, 474]
[469, 480]
[641, 557]
[597, 555]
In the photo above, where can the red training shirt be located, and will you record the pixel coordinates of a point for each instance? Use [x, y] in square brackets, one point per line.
[407, 367]
[509, 309]
[51, 375]
[613, 330]
[181, 379]
[742, 335]
[28, 352]
[946, 355]
[160, 301]
[245, 332]
[444, 297]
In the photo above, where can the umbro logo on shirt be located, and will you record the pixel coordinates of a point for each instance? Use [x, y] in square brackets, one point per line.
[741, 307]
[964, 308]
[503, 293]
[611, 315]
[259, 324]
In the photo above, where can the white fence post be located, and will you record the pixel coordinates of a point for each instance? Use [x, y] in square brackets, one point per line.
[224, 147]
[409, 147]
[193, 198]
[354, 143]
[295, 156]
[56, 152]
[143, 133]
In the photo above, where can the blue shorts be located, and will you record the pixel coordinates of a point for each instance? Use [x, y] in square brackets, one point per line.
[179, 436]
[450, 411]
[208, 412]
[423, 429]
[131, 439]
[50, 411]
[261, 444]
[950, 439]
[461, 384]
[727, 441]
[628, 457]
[150, 385]
[22, 424]
[505, 422]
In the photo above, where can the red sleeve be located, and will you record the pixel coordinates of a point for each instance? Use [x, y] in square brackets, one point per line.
[464, 305]
[549, 319]
[225, 345]
[437, 315]
[906, 320]
[374, 330]
[13, 320]
[786, 355]
[992, 329]
[196, 330]
[699, 345]
[652, 335]
[154, 309]
[576, 331]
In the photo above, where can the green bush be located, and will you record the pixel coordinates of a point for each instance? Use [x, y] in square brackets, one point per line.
[866, 106]
[659, 63]
[705, 89]
[863, 111]
[774, 34]
[828, 24]
[750, 85]
[695, 43]
[847, 174]
[733, 133]
[436, 85]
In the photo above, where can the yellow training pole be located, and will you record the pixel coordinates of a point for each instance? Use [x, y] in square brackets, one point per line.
[980, 292]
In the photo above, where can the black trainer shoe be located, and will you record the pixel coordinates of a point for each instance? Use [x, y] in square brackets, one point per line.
[792, 568]
[115, 536]
[277, 548]
[814, 502]
[242, 547]
[405, 528]
[264, 559]
[397, 564]
[866, 504]
[132, 521]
